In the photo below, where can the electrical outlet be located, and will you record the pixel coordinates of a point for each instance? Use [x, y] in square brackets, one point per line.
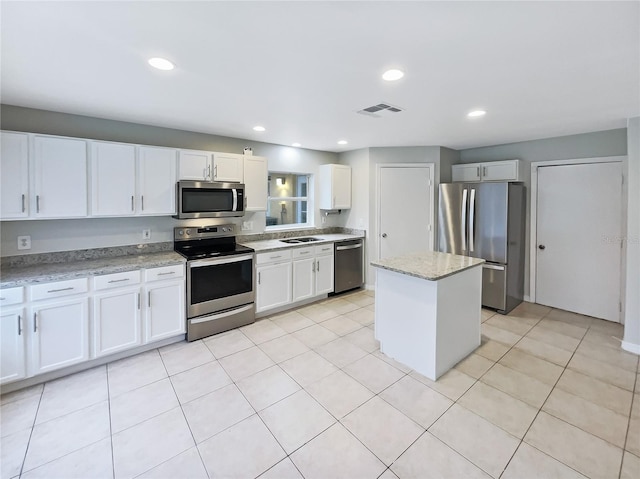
[324, 219]
[247, 225]
[146, 234]
[24, 242]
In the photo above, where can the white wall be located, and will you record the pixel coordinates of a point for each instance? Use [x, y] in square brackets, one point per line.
[587, 145]
[632, 293]
[65, 235]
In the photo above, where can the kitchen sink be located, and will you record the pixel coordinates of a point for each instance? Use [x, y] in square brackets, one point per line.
[307, 239]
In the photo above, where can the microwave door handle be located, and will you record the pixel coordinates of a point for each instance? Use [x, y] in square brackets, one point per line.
[235, 200]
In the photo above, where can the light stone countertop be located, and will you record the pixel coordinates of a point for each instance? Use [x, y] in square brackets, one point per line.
[429, 265]
[44, 273]
[276, 244]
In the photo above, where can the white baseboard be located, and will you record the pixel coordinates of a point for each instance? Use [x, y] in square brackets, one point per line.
[631, 347]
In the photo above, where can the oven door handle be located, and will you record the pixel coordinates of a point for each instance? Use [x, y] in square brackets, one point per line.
[230, 312]
[214, 262]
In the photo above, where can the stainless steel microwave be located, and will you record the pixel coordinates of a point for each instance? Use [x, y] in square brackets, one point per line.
[202, 199]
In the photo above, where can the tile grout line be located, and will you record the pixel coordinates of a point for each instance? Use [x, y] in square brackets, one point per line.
[113, 460]
[33, 426]
[626, 436]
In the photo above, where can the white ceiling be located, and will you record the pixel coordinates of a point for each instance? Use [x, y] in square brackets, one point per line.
[302, 69]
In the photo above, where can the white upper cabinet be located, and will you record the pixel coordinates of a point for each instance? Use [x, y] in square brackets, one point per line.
[14, 169]
[228, 167]
[60, 177]
[255, 183]
[335, 187]
[156, 181]
[507, 170]
[113, 179]
[194, 165]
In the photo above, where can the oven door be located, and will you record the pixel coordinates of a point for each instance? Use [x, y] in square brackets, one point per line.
[219, 283]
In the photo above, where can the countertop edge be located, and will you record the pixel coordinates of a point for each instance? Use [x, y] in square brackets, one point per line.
[277, 244]
[425, 277]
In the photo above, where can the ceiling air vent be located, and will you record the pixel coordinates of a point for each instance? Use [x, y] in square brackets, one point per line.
[379, 110]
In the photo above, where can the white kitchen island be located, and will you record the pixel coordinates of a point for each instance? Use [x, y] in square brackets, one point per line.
[428, 308]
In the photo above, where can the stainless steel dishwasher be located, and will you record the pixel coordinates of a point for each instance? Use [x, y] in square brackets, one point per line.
[348, 265]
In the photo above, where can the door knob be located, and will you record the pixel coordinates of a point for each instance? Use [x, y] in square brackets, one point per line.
[541, 246]
[384, 235]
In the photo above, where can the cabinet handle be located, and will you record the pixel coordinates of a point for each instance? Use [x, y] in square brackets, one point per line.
[132, 203]
[168, 272]
[37, 203]
[478, 171]
[118, 280]
[19, 325]
[215, 172]
[305, 252]
[35, 322]
[318, 268]
[142, 202]
[258, 277]
[23, 207]
[275, 257]
[484, 171]
[313, 267]
[209, 171]
[2, 299]
[58, 290]
[138, 300]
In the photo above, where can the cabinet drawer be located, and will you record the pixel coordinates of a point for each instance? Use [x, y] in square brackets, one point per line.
[59, 289]
[324, 249]
[116, 280]
[12, 296]
[302, 252]
[164, 272]
[273, 256]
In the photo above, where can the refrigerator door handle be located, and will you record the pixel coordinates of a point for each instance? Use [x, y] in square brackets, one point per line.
[463, 222]
[472, 223]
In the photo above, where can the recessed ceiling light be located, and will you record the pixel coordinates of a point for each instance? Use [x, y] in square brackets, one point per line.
[343, 142]
[160, 63]
[296, 144]
[392, 75]
[259, 128]
[476, 113]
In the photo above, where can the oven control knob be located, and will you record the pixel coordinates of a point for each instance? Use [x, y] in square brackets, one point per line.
[180, 232]
[188, 232]
[224, 230]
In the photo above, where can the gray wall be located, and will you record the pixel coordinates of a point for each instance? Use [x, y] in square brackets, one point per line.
[632, 293]
[57, 235]
[587, 145]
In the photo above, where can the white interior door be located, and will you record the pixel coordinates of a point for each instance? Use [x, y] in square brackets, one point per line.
[405, 206]
[578, 228]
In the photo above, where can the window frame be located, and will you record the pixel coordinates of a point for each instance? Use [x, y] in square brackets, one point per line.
[309, 199]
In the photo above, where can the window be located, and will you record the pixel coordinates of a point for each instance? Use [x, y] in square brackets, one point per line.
[289, 200]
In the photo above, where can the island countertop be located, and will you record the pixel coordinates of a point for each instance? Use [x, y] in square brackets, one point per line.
[429, 265]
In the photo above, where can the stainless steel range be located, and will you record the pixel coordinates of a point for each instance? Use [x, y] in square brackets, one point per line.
[220, 292]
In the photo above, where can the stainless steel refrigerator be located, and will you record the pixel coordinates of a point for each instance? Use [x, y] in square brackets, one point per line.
[487, 220]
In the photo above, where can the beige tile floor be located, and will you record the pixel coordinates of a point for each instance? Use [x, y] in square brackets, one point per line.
[307, 393]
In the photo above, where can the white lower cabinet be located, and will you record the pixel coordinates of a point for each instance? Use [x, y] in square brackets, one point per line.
[324, 269]
[273, 286]
[59, 334]
[12, 349]
[304, 278]
[116, 321]
[165, 314]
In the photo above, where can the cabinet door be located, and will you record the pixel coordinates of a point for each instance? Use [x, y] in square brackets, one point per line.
[59, 334]
[500, 171]
[113, 179]
[303, 278]
[156, 181]
[274, 286]
[324, 274]
[194, 165]
[255, 183]
[60, 173]
[14, 165]
[228, 167]
[341, 187]
[12, 333]
[165, 310]
[470, 172]
[116, 321]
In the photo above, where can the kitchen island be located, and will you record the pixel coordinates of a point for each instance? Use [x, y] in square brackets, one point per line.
[428, 308]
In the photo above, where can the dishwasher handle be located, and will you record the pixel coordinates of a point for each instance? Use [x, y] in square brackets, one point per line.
[353, 246]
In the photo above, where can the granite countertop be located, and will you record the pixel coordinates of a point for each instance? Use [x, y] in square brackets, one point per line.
[275, 244]
[12, 276]
[429, 265]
